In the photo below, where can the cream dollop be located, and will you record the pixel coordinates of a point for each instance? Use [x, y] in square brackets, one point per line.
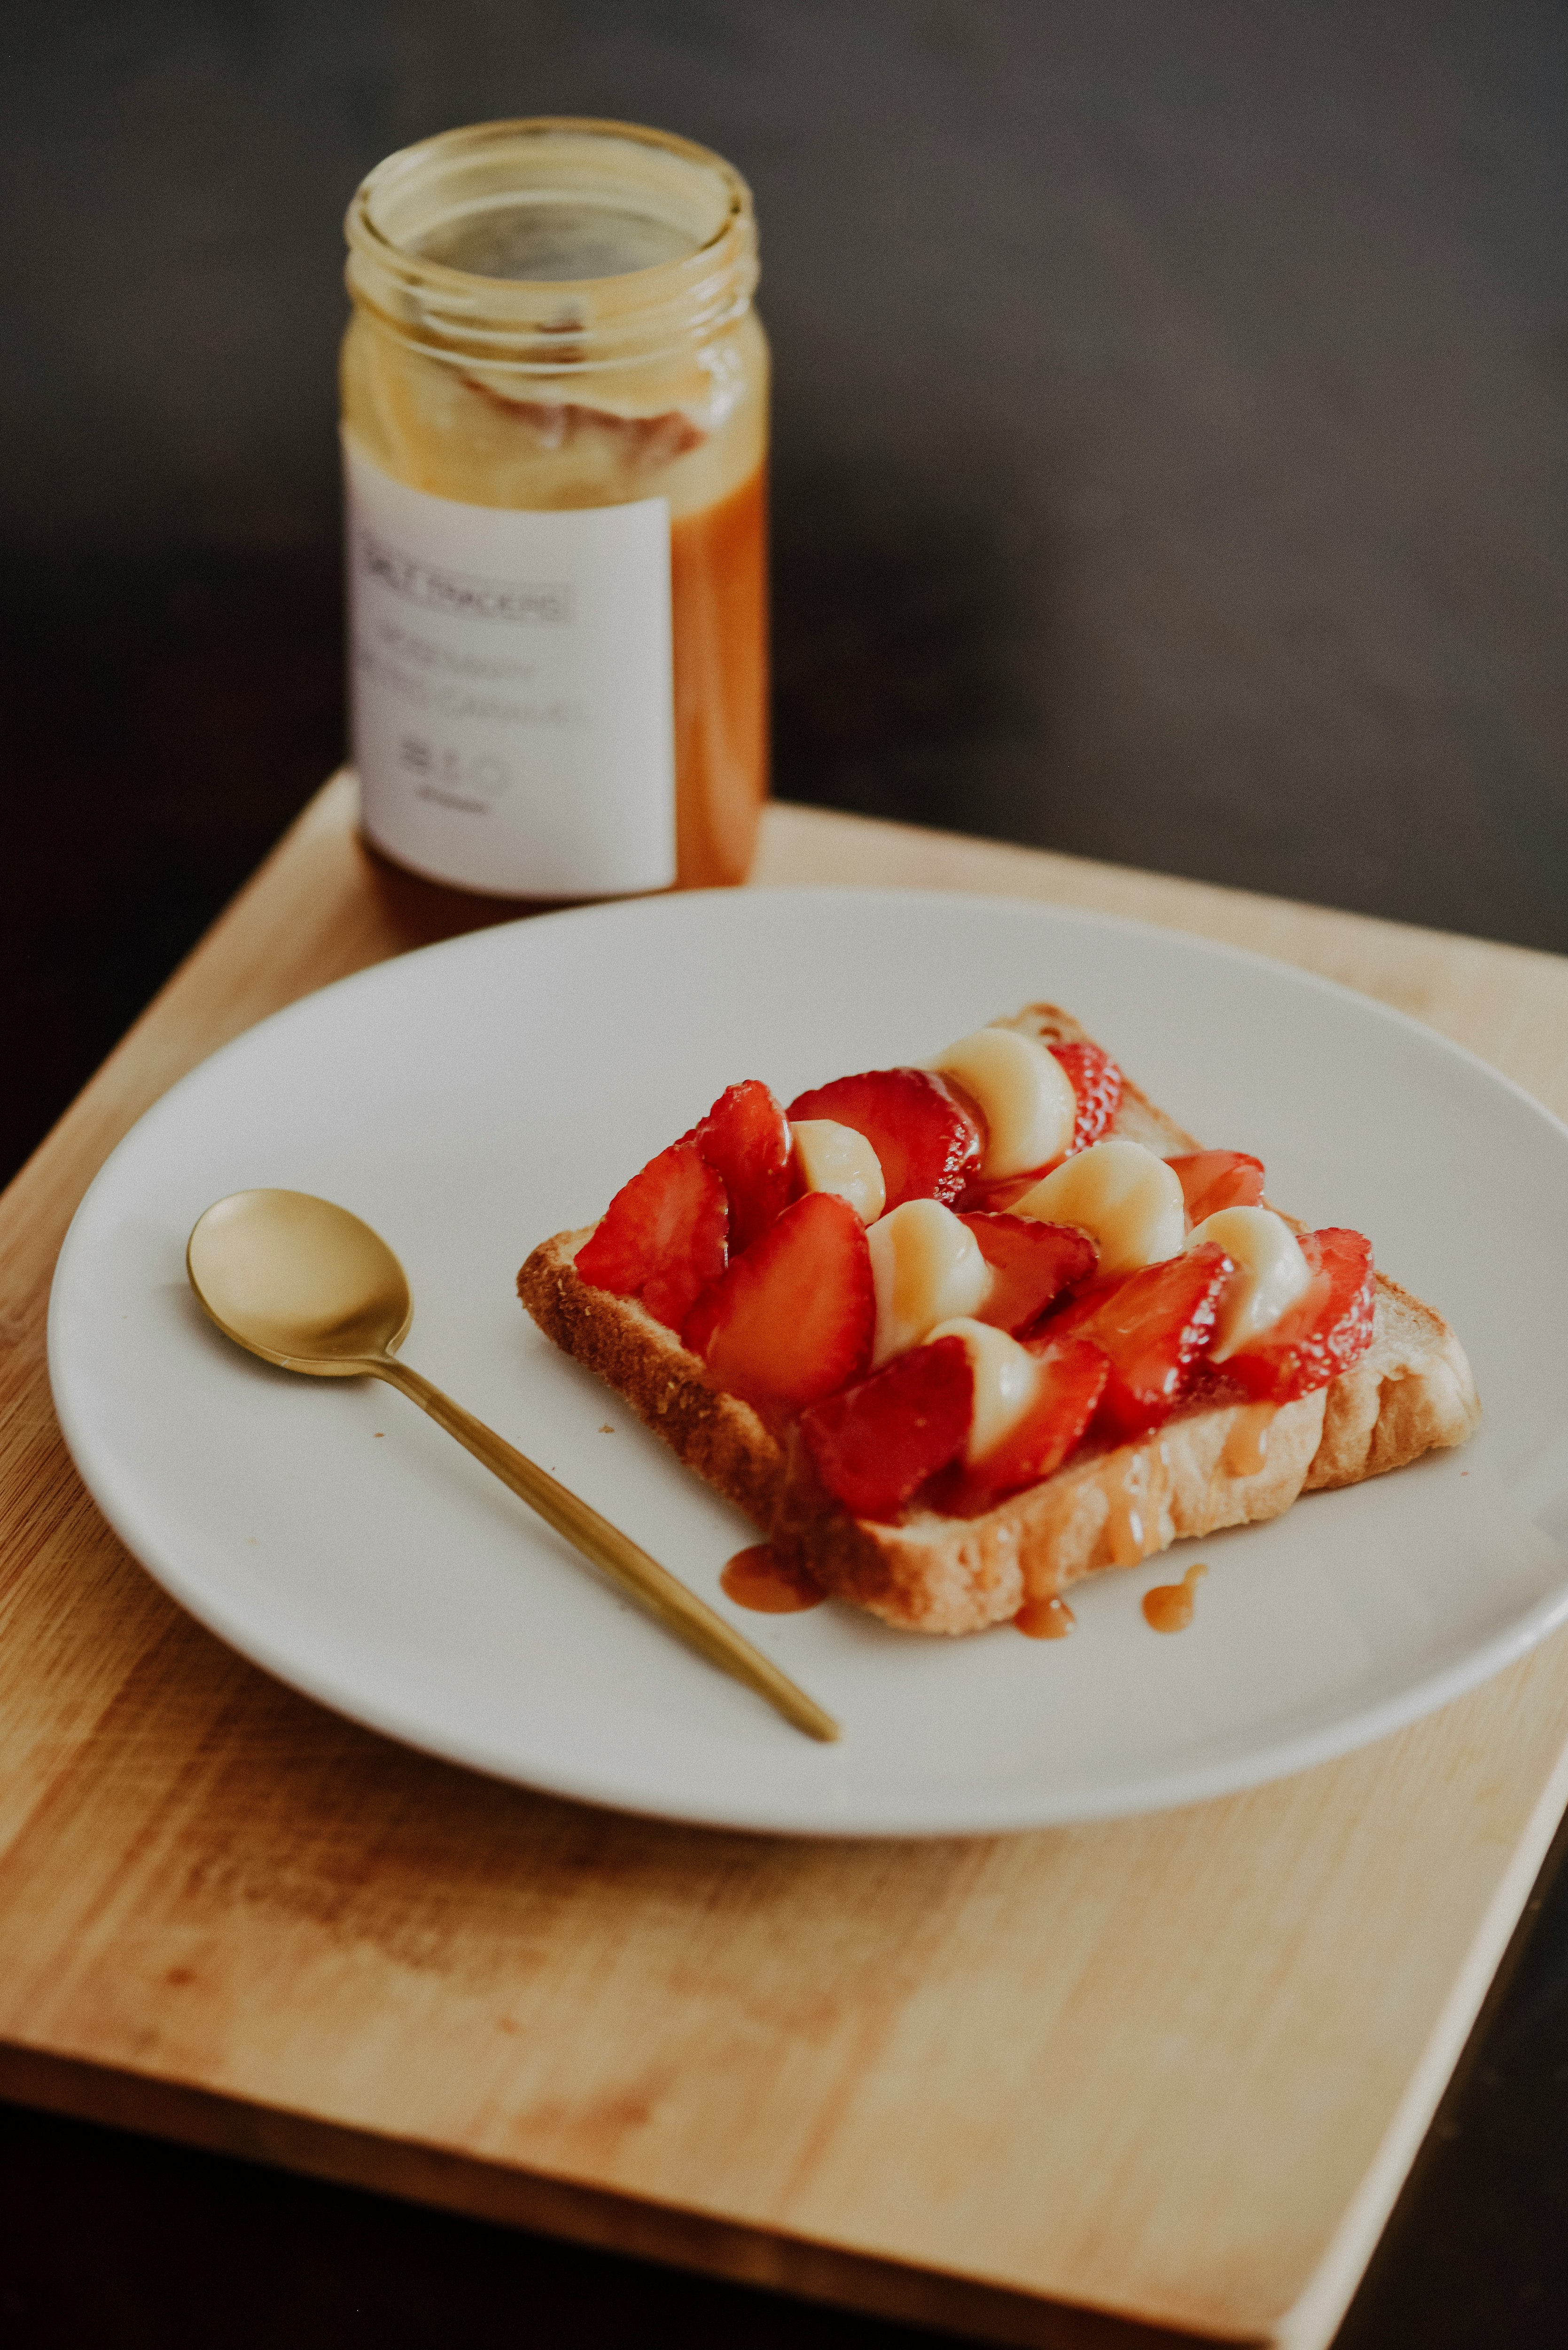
[927, 1267]
[1023, 1093]
[1007, 1381]
[833, 1158]
[1270, 1274]
[1128, 1201]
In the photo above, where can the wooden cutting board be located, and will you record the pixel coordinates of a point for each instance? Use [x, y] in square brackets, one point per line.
[1099, 2085]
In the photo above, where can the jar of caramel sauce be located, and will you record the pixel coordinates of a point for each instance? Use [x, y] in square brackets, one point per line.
[555, 432]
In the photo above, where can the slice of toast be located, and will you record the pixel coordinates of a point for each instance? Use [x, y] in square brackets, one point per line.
[1208, 1467]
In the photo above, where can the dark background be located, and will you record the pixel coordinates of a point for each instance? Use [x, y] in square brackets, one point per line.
[1169, 467]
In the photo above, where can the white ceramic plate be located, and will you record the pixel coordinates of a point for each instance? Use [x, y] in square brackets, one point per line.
[472, 1098]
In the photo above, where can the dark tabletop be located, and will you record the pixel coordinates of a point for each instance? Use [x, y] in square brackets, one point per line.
[1169, 467]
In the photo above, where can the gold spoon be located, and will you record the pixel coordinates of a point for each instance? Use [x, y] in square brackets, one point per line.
[306, 1285]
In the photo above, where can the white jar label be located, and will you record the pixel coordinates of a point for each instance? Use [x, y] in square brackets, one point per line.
[512, 704]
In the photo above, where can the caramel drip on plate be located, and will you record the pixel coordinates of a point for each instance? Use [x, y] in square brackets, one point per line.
[1049, 1618]
[756, 1578]
[1168, 1607]
[1247, 1444]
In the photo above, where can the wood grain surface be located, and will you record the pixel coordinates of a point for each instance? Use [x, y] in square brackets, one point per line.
[1091, 2086]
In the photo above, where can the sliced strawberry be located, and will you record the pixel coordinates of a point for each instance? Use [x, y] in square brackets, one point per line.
[1098, 1082]
[1328, 1328]
[745, 1139]
[926, 1142]
[1073, 1375]
[1212, 1179]
[1030, 1265]
[1154, 1324]
[876, 1443]
[794, 1315]
[662, 1236]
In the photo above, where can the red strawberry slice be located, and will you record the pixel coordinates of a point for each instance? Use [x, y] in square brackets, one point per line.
[745, 1139]
[1098, 1082]
[876, 1444]
[1073, 1375]
[662, 1236]
[1328, 1328]
[1154, 1324]
[1212, 1179]
[926, 1142]
[1030, 1265]
[793, 1316]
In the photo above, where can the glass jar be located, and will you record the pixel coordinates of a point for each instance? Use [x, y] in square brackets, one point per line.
[554, 427]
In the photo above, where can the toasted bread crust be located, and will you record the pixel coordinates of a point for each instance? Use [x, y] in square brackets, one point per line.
[934, 1573]
[717, 1435]
[1223, 1465]
[1411, 1391]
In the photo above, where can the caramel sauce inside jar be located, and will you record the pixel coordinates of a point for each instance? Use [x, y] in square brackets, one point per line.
[1168, 1607]
[758, 1579]
[1047, 1618]
[719, 613]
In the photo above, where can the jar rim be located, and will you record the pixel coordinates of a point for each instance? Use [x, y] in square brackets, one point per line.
[548, 322]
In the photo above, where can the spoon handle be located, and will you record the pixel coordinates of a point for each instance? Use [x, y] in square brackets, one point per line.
[620, 1558]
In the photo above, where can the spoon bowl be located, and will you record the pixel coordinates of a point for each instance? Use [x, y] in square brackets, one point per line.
[300, 1282]
[308, 1286]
